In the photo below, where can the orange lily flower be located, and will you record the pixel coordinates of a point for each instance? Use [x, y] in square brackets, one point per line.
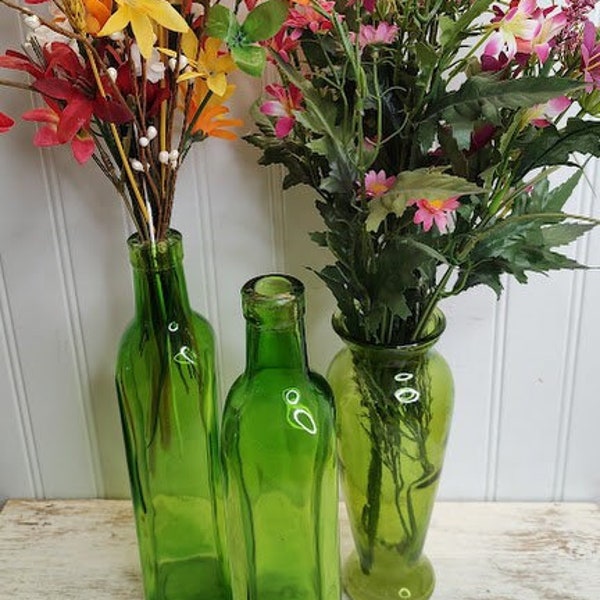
[212, 123]
[97, 13]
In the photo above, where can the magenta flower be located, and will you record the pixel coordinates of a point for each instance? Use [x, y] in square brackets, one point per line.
[520, 25]
[551, 26]
[541, 115]
[378, 183]
[434, 211]
[284, 42]
[384, 33]
[576, 13]
[287, 101]
[590, 56]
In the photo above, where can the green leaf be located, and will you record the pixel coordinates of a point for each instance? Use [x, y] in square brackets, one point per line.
[265, 20]
[452, 32]
[557, 198]
[432, 252]
[430, 184]
[319, 238]
[377, 214]
[542, 199]
[483, 96]
[563, 234]
[250, 59]
[426, 55]
[554, 146]
[222, 23]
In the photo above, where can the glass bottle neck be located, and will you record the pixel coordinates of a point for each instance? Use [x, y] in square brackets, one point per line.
[283, 347]
[158, 279]
[274, 311]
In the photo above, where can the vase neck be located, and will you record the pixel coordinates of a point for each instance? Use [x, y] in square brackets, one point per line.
[274, 311]
[433, 331]
[159, 280]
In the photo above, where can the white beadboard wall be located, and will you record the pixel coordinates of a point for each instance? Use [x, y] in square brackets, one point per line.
[526, 368]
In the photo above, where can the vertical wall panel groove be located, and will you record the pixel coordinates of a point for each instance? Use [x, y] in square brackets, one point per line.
[203, 201]
[496, 388]
[60, 234]
[277, 218]
[19, 395]
[571, 358]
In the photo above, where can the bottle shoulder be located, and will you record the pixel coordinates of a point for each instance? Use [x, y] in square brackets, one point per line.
[271, 385]
[194, 332]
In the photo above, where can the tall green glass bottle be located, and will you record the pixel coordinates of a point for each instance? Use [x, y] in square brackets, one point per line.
[166, 387]
[278, 448]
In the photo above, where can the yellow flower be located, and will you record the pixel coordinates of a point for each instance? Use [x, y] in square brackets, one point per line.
[141, 14]
[212, 67]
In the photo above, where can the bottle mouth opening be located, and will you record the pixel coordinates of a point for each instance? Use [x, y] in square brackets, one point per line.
[272, 296]
[273, 288]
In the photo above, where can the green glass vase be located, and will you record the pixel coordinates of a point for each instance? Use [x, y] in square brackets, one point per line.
[278, 448]
[394, 407]
[165, 380]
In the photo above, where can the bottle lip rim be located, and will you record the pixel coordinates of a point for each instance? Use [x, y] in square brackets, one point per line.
[135, 242]
[145, 255]
[292, 289]
[437, 319]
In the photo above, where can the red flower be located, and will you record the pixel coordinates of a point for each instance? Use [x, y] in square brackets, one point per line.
[5, 123]
[303, 16]
[60, 130]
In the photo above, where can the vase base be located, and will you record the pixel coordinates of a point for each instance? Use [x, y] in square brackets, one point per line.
[388, 581]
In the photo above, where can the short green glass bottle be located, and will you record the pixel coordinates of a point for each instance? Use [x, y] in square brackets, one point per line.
[278, 448]
[394, 409]
[166, 387]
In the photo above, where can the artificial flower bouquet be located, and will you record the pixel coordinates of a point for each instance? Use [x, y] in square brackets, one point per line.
[133, 84]
[428, 130]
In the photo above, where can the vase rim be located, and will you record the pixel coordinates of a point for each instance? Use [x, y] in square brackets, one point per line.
[435, 328]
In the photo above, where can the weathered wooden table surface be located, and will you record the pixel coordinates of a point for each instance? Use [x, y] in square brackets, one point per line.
[86, 549]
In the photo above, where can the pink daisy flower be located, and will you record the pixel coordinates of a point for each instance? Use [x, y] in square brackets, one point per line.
[378, 183]
[384, 33]
[434, 211]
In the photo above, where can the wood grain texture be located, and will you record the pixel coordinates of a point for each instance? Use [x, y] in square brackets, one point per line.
[87, 549]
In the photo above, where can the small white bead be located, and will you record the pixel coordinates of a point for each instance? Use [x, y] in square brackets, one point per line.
[174, 155]
[136, 165]
[144, 142]
[183, 62]
[163, 157]
[32, 21]
[117, 36]
[112, 73]
[172, 64]
[151, 132]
